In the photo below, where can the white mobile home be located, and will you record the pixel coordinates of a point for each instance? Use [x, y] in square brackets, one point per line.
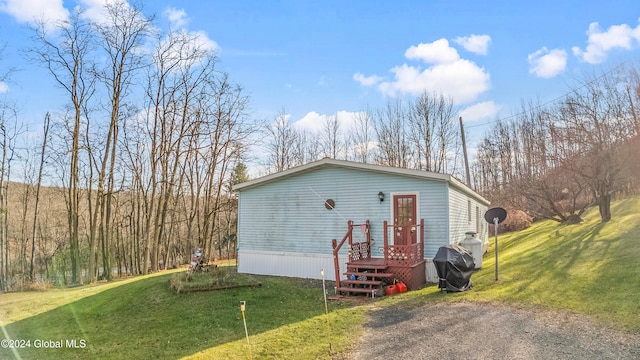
[287, 220]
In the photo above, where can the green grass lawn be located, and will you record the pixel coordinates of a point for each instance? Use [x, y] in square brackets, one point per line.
[591, 268]
[143, 318]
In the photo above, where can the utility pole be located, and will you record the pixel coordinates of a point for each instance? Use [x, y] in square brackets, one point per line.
[464, 151]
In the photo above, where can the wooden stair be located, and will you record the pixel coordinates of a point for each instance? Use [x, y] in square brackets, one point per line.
[369, 276]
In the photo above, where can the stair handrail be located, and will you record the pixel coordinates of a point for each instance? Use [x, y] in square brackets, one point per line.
[349, 236]
[337, 247]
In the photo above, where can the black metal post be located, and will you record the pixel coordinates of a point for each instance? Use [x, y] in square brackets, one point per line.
[495, 227]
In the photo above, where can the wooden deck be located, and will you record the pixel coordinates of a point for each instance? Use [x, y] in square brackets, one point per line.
[370, 263]
[367, 275]
[373, 268]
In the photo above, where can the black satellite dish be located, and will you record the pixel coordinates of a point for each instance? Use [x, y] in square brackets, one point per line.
[494, 213]
[495, 216]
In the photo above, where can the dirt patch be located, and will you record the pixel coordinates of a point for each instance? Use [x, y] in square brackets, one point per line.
[487, 331]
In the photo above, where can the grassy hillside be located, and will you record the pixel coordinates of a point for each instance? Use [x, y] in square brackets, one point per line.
[590, 268]
[142, 318]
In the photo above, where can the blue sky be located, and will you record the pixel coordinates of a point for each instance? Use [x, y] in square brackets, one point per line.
[314, 59]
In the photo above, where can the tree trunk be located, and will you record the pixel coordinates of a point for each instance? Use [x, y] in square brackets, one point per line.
[37, 200]
[604, 205]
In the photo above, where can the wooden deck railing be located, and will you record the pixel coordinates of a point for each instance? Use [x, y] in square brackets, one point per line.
[404, 255]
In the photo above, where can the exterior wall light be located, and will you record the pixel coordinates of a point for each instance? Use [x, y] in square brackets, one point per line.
[381, 196]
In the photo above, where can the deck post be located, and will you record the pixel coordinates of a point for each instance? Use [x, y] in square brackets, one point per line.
[350, 229]
[368, 236]
[386, 242]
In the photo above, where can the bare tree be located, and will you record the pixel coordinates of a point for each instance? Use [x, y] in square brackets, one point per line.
[332, 145]
[229, 133]
[392, 134]
[281, 135]
[9, 131]
[305, 147]
[5, 74]
[121, 35]
[593, 123]
[153, 186]
[362, 136]
[67, 60]
[514, 158]
[433, 132]
[558, 160]
[4, 173]
[45, 136]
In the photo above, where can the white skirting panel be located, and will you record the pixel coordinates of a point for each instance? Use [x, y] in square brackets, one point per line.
[432, 273]
[288, 264]
[301, 265]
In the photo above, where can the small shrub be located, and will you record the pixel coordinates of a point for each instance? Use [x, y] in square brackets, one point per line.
[218, 276]
[516, 220]
[175, 282]
[573, 219]
[39, 286]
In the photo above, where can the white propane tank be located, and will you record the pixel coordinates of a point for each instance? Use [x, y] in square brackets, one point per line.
[473, 244]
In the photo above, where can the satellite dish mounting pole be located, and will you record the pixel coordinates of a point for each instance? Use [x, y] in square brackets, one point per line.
[496, 216]
[495, 223]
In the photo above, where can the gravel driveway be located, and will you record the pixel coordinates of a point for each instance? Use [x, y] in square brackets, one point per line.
[485, 331]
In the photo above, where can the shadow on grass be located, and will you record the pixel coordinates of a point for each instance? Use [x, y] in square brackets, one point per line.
[589, 268]
[146, 319]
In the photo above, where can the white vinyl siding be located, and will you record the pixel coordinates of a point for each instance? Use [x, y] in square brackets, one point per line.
[289, 215]
[285, 229]
[462, 218]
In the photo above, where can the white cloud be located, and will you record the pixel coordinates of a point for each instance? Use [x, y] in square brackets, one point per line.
[196, 39]
[446, 73]
[461, 80]
[367, 80]
[480, 111]
[314, 122]
[4, 88]
[53, 11]
[204, 42]
[177, 17]
[477, 44]
[33, 11]
[283, 118]
[437, 52]
[95, 9]
[599, 42]
[547, 63]
[182, 45]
